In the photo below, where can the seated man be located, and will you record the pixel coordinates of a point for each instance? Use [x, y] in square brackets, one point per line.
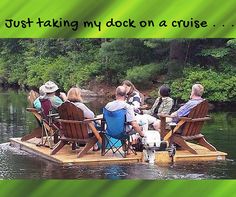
[195, 98]
[120, 103]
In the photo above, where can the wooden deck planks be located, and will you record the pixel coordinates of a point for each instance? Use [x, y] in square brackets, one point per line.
[183, 155]
[67, 156]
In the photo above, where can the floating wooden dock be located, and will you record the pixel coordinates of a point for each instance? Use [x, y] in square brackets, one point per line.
[185, 156]
[68, 156]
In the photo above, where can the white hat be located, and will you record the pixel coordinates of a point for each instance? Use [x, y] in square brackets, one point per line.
[50, 87]
[42, 92]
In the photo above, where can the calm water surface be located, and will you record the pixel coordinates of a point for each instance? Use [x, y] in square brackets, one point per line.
[17, 164]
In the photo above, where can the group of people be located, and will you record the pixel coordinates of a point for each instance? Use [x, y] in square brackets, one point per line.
[50, 91]
[129, 98]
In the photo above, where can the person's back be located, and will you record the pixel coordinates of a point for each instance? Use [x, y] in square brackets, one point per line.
[47, 91]
[74, 96]
[163, 104]
[120, 103]
[133, 96]
[195, 98]
[117, 105]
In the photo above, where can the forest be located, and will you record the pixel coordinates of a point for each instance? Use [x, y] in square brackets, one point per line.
[148, 63]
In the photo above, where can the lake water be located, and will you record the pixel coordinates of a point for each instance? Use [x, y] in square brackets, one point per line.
[17, 164]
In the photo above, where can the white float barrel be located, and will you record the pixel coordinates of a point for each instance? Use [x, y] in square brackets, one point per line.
[151, 138]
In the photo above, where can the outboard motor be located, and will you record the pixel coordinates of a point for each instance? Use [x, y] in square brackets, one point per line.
[152, 143]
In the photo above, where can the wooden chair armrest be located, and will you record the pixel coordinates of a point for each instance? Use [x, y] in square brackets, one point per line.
[199, 119]
[164, 115]
[53, 115]
[69, 121]
[92, 119]
[31, 109]
[185, 118]
[78, 121]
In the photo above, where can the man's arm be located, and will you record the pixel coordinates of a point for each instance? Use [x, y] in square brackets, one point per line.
[182, 111]
[174, 114]
[137, 128]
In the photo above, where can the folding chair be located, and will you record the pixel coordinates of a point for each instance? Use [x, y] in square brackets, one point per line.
[115, 136]
[49, 129]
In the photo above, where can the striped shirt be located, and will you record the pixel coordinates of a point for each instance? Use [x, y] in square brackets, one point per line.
[135, 101]
[186, 108]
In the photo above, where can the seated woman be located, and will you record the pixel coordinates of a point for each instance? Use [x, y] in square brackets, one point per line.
[135, 100]
[74, 96]
[162, 105]
[133, 95]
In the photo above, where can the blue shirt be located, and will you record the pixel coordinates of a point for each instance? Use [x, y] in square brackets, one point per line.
[55, 100]
[186, 108]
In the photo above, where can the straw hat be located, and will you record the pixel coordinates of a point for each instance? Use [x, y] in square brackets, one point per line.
[50, 87]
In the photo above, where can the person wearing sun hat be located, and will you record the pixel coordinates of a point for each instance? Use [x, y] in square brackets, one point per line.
[42, 94]
[48, 91]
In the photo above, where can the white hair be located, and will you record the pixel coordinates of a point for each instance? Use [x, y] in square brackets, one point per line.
[197, 89]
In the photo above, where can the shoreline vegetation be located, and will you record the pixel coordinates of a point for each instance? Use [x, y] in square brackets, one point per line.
[108, 93]
[100, 65]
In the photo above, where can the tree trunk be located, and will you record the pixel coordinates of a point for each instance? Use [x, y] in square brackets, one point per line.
[177, 58]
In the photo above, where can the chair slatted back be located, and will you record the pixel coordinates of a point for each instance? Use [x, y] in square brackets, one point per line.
[46, 106]
[199, 111]
[68, 111]
[32, 96]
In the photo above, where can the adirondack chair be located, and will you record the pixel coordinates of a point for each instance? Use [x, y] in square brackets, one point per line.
[188, 128]
[37, 132]
[74, 128]
[45, 125]
[32, 96]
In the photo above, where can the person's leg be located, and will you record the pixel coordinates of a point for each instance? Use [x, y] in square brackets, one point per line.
[153, 121]
[142, 121]
[157, 125]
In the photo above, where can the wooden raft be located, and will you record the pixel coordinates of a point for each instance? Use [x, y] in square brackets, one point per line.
[67, 156]
[203, 154]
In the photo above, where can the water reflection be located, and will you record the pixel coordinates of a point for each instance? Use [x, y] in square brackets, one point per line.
[17, 164]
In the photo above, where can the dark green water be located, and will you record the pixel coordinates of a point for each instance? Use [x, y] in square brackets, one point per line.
[17, 164]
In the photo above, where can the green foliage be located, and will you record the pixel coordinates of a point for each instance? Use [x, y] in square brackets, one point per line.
[218, 86]
[31, 62]
[215, 52]
[61, 70]
[118, 55]
[143, 75]
[154, 93]
[232, 43]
